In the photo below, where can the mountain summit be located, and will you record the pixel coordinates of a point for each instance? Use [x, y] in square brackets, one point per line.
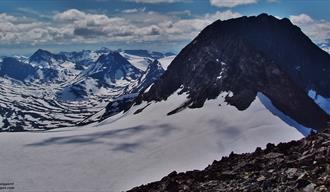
[247, 56]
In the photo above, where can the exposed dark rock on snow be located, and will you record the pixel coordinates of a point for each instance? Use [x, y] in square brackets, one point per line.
[248, 55]
[302, 165]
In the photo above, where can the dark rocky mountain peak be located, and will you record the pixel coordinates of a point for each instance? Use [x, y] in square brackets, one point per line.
[248, 55]
[115, 66]
[112, 58]
[108, 70]
[155, 66]
[45, 57]
[41, 52]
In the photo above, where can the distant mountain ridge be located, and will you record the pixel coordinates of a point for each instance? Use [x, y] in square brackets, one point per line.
[62, 84]
[151, 54]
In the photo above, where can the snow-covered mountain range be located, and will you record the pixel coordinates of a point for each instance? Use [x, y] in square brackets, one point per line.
[48, 90]
[240, 84]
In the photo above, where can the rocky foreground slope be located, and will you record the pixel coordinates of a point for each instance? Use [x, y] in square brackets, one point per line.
[302, 165]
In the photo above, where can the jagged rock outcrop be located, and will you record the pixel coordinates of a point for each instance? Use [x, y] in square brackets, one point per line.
[302, 165]
[153, 72]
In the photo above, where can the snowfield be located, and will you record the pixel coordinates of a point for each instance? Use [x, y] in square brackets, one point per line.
[129, 150]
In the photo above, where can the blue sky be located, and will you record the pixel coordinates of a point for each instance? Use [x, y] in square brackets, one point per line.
[161, 25]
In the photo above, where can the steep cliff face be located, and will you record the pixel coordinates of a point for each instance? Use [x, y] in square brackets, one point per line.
[245, 56]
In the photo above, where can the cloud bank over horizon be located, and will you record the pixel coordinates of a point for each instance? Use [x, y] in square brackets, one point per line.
[132, 26]
[74, 25]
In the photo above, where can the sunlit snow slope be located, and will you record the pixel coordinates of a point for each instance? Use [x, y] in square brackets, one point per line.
[132, 149]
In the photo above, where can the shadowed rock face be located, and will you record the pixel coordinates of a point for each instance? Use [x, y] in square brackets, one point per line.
[13, 68]
[302, 165]
[43, 56]
[114, 66]
[249, 55]
[153, 72]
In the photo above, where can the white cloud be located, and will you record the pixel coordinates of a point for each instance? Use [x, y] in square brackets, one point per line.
[70, 15]
[76, 26]
[16, 30]
[231, 3]
[301, 19]
[8, 18]
[184, 12]
[135, 10]
[326, 46]
[134, 26]
[225, 15]
[317, 30]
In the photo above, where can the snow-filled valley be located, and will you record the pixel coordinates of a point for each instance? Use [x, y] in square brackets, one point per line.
[130, 149]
